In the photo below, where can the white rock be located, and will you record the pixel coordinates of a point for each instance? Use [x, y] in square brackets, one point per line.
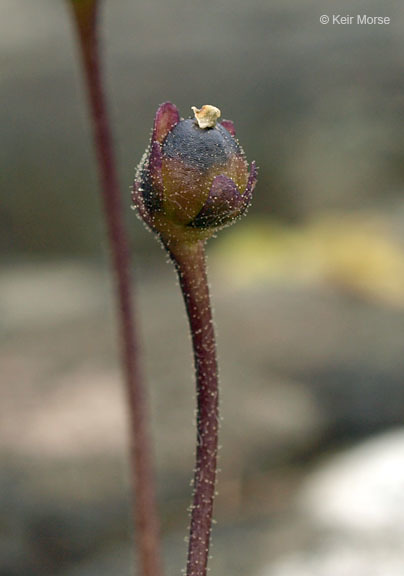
[340, 560]
[361, 490]
[352, 515]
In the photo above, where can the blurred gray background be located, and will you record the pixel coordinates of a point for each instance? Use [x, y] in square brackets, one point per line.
[308, 290]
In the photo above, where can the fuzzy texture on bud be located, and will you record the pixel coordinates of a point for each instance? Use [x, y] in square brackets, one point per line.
[192, 180]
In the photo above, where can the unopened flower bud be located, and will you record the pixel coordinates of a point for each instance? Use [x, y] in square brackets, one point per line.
[193, 178]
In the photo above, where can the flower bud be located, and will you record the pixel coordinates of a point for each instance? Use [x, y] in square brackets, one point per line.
[193, 178]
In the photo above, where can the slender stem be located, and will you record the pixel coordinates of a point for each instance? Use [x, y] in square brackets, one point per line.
[191, 268]
[144, 502]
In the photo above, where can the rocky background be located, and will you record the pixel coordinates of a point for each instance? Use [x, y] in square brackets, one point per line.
[308, 292]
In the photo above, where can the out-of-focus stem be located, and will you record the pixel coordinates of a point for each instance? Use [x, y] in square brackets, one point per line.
[85, 14]
[191, 267]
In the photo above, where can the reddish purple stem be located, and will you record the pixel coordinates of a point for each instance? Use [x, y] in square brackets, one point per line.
[191, 267]
[85, 17]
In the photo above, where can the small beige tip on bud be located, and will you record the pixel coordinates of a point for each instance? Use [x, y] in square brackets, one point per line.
[207, 116]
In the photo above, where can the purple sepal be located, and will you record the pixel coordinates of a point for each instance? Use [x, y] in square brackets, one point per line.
[223, 203]
[151, 179]
[155, 164]
[228, 124]
[167, 116]
[137, 198]
[252, 180]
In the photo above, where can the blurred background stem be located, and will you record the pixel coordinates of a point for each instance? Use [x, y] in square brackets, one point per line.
[85, 16]
[190, 263]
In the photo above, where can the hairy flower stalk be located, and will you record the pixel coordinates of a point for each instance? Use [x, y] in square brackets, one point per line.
[192, 181]
[85, 13]
[191, 268]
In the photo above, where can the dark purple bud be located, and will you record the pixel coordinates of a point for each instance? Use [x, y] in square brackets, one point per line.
[193, 178]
